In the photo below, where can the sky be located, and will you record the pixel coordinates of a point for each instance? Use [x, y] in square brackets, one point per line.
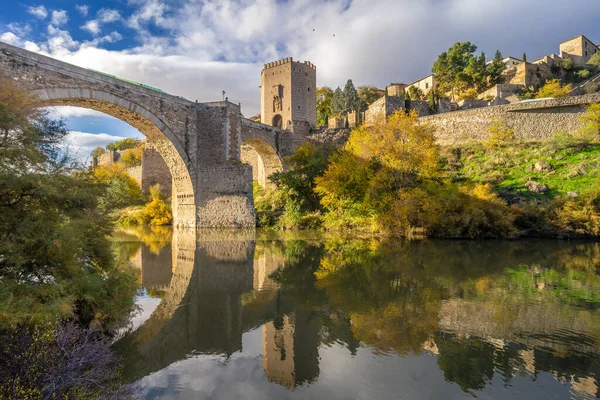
[198, 48]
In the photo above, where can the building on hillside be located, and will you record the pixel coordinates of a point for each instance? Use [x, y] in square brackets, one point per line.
[288, 94]
[580, 49]
[383, 108]
[509, 61]
[396, 89]
[425, 84]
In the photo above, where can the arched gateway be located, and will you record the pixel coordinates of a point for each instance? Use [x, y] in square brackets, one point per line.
[200, 142]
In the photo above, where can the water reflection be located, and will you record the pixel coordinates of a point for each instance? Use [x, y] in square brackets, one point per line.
[326, 317]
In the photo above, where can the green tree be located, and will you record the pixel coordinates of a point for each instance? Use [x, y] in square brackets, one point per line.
[352, 101]
[324, 109]
[415, 93]
[98, 151]
[553, 88]
[369, 94]
[55, 257]
[495, 68]
[124, 144]
[338, 102]
[524, 57]
[450, 66]
[477, 72]
[595, 60]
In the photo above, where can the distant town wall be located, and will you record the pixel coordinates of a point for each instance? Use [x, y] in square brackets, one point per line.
[537, 120]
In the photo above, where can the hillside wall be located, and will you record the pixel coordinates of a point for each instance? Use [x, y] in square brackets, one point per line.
[531, 121]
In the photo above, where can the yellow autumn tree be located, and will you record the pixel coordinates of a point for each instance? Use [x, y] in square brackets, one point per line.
[364, 179]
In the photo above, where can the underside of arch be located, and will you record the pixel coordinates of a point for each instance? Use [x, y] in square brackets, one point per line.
[155, 130]
[264, 160]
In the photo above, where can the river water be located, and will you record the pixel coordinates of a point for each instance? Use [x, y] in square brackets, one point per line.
[259, 315]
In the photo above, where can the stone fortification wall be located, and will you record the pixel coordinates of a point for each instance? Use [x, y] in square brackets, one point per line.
[382, 108]
[288, 93]
[154, 171]
[537, 120]
[136, 174]
[107, 158]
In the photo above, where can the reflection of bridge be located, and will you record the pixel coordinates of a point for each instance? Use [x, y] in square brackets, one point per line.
[201, 143]
[216, 290]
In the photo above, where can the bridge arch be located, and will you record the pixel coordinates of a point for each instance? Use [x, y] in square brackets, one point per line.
[151, 126]
[263, 158]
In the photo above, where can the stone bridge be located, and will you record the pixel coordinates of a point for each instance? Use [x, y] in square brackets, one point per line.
[201, 143]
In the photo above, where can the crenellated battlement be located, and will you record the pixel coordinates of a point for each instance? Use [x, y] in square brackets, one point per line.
[286, 61]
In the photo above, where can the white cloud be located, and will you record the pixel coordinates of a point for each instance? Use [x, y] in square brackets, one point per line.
[104, 16]
[59, 17]
[81, 144]
[19, 29]
[10, 38]
[59, 41]
[92, 26]
[83, 9]
[212, 46]
[107, 15]
[68, 111]
[38, 12]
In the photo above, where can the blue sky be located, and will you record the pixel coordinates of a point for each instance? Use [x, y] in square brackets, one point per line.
[197, 48]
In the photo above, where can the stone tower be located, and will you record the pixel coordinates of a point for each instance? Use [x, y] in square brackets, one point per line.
[288, 93]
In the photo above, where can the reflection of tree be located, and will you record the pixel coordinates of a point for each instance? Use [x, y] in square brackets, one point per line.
[467, 362]
[400, 294]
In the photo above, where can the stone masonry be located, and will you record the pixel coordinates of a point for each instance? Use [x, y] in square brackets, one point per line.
[288, 93]
[537, 120]
[199, 142]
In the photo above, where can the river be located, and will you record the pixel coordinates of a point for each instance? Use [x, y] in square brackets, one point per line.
[263, 315]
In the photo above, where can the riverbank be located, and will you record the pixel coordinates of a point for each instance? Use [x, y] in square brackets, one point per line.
[392, 179]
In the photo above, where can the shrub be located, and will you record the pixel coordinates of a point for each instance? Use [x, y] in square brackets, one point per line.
[595, 60]
[59, 361]
[469, 94]
[499, 134]
[553, 88]
[156, 212]
[132, 157]
[591, 123]
[565, 63]
[577, 217]
[583, 74]
[121, 189]
[592, 87]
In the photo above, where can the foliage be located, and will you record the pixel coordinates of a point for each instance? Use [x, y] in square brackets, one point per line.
[583, 74]
[132, 157]
[591, 123]
[368, 95]
[565, 63]
[595, 60]
[458, 68]
[496, 67]
[415, 93]
[375, 163]
[524, 58]
[324, 107]
[553, 88]
[124, 144]
[59, 361]
[499, 134]
[155, 212]
[55, 258]
[337, 102]
[98, 151]
[347, 100]
[121, 189]
[577, 217]
[294, 203]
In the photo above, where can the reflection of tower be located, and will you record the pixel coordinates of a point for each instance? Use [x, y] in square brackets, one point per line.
[290, 349]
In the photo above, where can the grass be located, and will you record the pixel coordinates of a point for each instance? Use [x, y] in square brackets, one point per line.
[509, 167]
